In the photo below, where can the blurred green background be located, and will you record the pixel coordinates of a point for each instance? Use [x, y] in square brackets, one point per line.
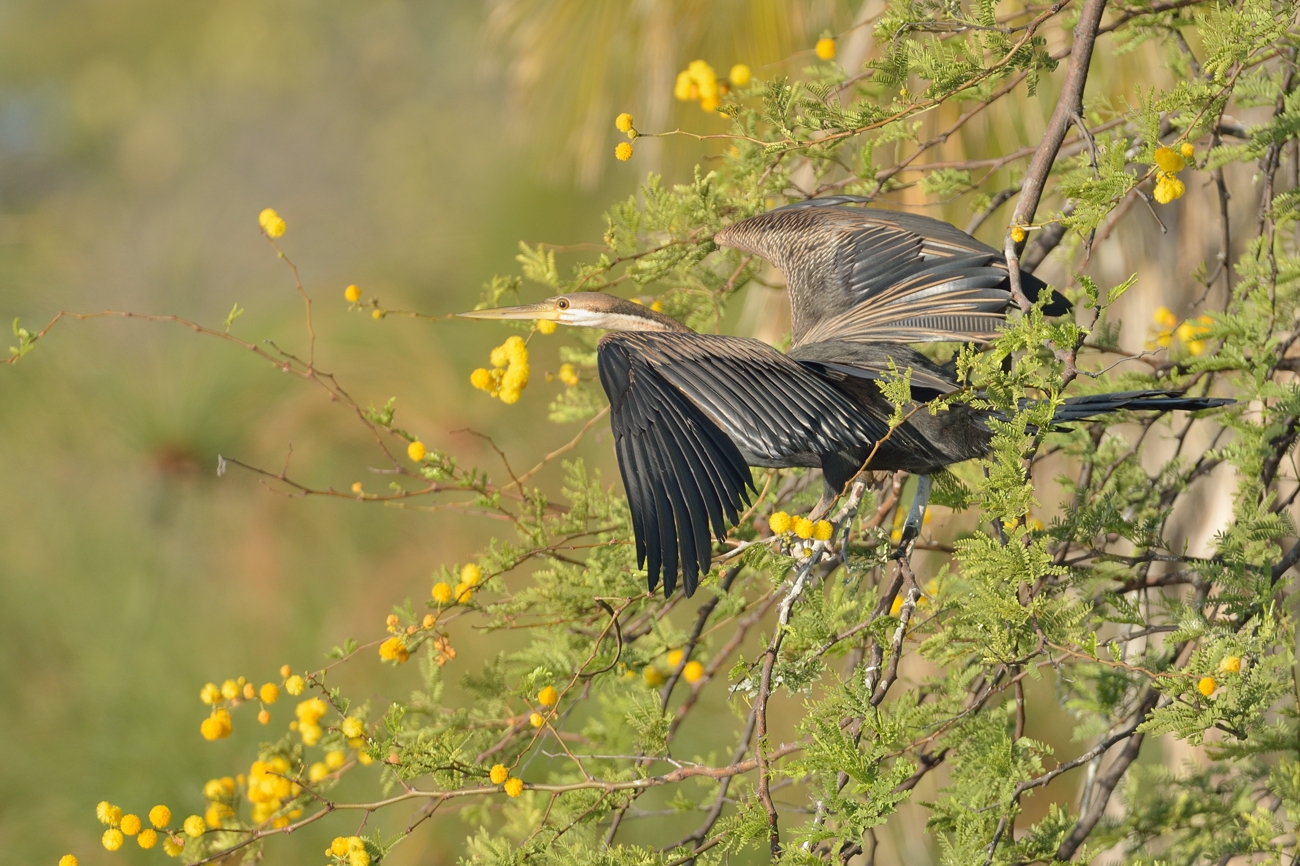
[409, 152]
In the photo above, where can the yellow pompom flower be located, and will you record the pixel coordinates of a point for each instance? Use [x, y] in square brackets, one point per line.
[1187, 150]
[803, 527]
[823, 530]
[271, 223]
[416, 451]
[693, 671]
[216, 726]
[1168, 188]
[825, 48]
[568, 375]
[514, 787]
[210, 693]
[317, 771]
[471, 574]
[147, 839]
[107, 813]
[481, 379]
[68, 860]
[442, 592]
[1164, 318]
[675, 658]
[195, 826]
[335, 758]
[285, 670]
[352, 293]
[536, 720]
[295, 684]
[653, 676]
[1018, 234]
[269, 693]
[546, 326]
[264, 717]
[548, 697]
[173, 846]
[499, 773]
[394, 649]
[130, 824]
[623, 151]
[739, 75]
[112, 839]
[359, 857]
[230, 690]
[339, 847]
[353, 727]
[779, 523]
[1206, 686]
[377, 314]
[683, 86]
[464, 593]
[160, 816]
[1169, 160]
[623, 123]
[1230, 665]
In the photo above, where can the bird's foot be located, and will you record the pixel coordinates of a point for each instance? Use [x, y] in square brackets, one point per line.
[915, 518]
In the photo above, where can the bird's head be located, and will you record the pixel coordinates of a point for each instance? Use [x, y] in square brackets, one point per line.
[586, 310]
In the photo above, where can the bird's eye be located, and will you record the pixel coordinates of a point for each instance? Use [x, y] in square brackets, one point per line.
[562, 303]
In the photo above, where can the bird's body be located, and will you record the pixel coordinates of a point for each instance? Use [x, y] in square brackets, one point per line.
[691, 413]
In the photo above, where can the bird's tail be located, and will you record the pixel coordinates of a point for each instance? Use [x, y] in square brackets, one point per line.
[1092, 405]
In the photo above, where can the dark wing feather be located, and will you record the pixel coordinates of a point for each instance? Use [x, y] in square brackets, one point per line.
[689, 413]
[909, 277]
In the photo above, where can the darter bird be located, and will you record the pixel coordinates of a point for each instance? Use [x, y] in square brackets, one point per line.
[691, 413]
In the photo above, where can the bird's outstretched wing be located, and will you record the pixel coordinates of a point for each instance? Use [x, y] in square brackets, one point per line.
[859, 273]
[690, 413]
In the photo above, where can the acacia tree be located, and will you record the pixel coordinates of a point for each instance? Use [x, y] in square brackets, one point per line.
[903, 677]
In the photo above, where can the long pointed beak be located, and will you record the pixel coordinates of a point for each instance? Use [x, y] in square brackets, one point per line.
[526, 311]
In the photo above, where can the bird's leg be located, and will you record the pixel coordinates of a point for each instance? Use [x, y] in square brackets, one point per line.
[915, 517]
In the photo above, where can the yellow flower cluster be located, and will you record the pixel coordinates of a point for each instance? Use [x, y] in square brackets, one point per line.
[352, 293]
[699, 82]
[267, 787]
[1191, 333]
[500, 775]
[1230, 665]
[470, 577]
[802, 528]
[309, 713]
[1168, 163]
[350, 850]
[509, 374]
[1206, 686]
[228, 695]
[1018, 234]
[416, 451]
[825, 48]
[623, 151]
[120, 826]
[546, 326]
[271, 223]
[692, 671]
[568, 375]
[548, 697]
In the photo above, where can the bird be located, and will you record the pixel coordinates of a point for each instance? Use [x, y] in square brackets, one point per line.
[691, 413]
